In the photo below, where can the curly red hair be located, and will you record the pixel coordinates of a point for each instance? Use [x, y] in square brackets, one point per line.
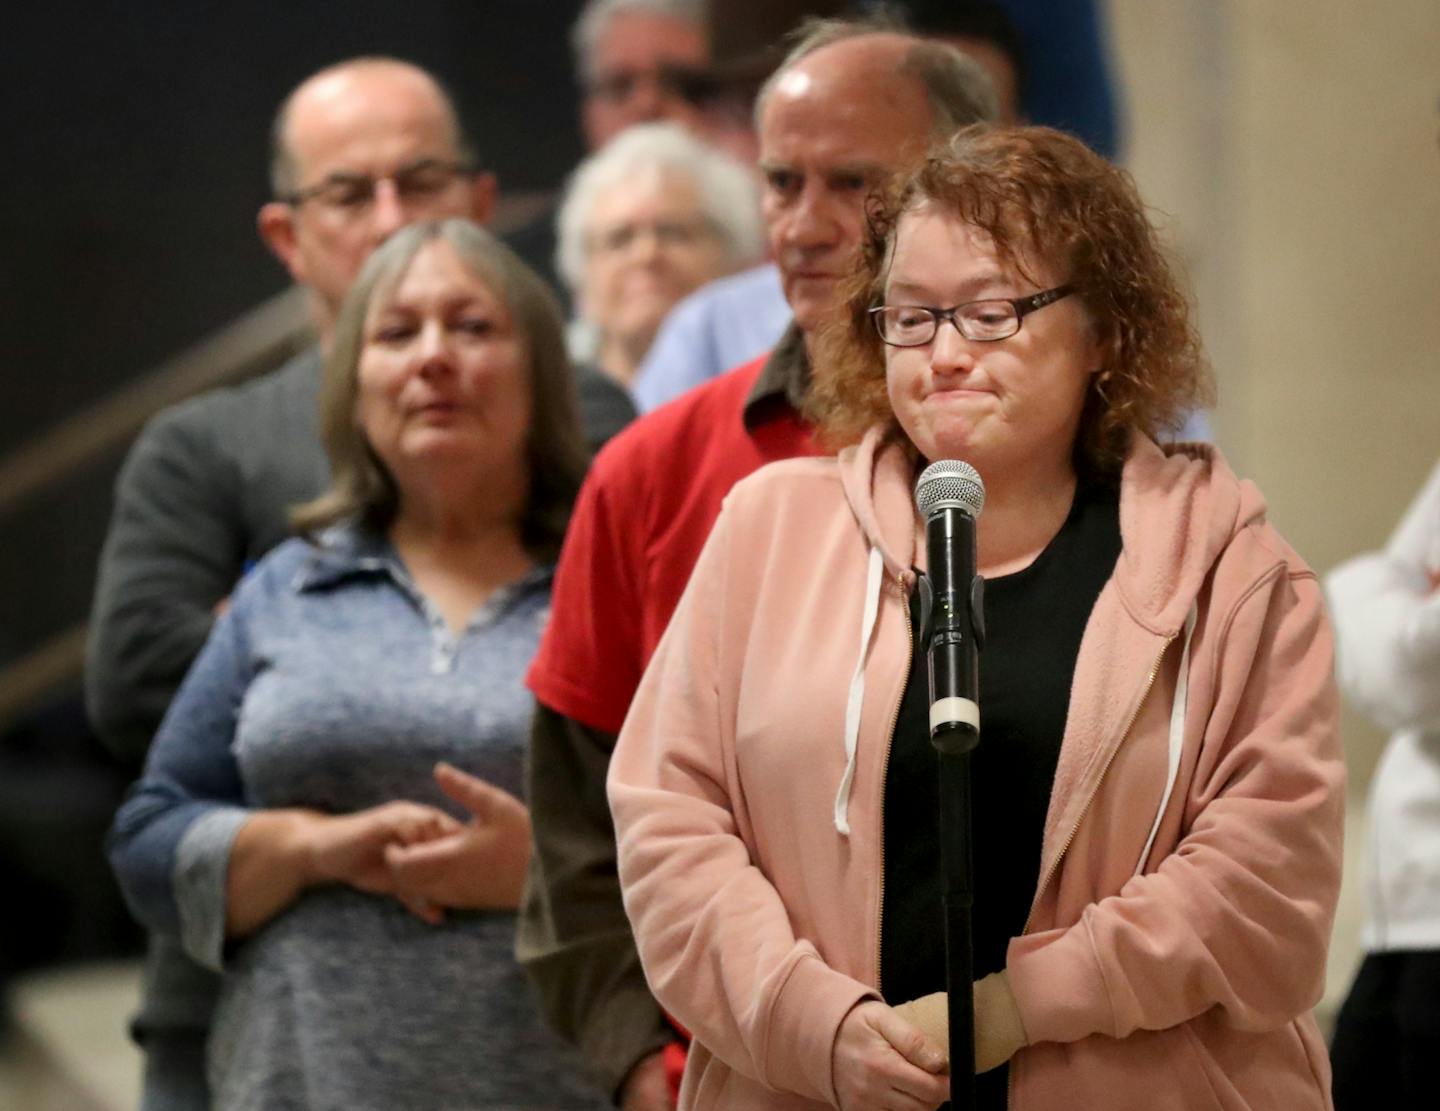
[1038, 194]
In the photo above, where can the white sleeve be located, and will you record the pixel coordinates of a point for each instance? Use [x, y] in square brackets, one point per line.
[1387, 620]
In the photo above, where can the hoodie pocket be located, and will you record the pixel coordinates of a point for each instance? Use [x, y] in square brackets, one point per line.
[1201, 1063]
[1151, 1070]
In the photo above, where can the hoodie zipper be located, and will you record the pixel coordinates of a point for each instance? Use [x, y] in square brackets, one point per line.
[885, 773]
[1080, 818]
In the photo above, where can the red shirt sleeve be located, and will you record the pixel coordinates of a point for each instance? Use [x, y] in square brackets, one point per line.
[588, 666]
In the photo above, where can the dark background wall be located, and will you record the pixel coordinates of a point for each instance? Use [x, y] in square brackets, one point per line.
[134, 140]
[136, 143]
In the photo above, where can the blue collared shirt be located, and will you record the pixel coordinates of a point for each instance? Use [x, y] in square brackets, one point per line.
[333, 683]
[715, 329]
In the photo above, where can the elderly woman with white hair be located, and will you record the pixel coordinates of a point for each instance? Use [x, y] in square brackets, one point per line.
[646, 220]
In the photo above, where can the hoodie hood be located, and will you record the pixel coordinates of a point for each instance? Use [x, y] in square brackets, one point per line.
[1180, 505]
[1179, 509]
[877, 475]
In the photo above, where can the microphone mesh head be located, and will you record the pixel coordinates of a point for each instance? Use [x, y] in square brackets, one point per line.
[950, 484]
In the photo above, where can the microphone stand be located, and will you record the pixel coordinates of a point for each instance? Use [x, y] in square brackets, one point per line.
[957, 629]
[958, 889]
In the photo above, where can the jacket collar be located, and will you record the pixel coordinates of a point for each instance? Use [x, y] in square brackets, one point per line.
[783, 383]
[345, 551]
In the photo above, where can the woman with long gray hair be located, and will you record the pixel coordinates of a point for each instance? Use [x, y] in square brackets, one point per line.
[329, 814]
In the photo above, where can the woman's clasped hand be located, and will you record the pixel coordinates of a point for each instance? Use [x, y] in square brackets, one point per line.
[477, 865]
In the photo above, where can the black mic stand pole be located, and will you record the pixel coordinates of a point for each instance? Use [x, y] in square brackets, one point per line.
[955, 862]
[954, 634]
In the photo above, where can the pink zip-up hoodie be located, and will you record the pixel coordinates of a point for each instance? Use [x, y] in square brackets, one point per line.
[1192, 847]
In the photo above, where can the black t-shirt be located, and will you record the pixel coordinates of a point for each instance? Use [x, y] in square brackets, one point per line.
[1034, 620]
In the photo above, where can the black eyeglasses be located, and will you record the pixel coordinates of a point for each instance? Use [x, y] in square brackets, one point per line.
[982, 321]
[351, 194]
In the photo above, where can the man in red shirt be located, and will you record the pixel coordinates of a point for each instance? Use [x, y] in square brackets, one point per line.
[850, 105]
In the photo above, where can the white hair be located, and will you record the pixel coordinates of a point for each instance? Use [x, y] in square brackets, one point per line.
[728, 193]
[597, 14]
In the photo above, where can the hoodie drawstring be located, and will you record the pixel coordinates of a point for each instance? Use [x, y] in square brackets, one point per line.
[853, 705]
[874, 579]
[1177, 736]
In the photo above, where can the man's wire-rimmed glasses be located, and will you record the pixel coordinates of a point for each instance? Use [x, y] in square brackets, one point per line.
[415, 184]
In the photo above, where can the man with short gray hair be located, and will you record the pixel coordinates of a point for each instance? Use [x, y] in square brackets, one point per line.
[634, 59]
[848, 107]
[730, 320]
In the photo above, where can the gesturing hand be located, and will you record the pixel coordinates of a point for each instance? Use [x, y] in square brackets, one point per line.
[882, 1063]
[479, 865]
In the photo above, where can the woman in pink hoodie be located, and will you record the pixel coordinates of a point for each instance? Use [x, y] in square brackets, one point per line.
[1158, 785]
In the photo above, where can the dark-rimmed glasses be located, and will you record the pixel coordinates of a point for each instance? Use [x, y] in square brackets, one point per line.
[415, 184]
[984, 321]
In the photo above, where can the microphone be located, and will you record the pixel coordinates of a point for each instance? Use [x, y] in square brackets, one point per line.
[950, 496]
